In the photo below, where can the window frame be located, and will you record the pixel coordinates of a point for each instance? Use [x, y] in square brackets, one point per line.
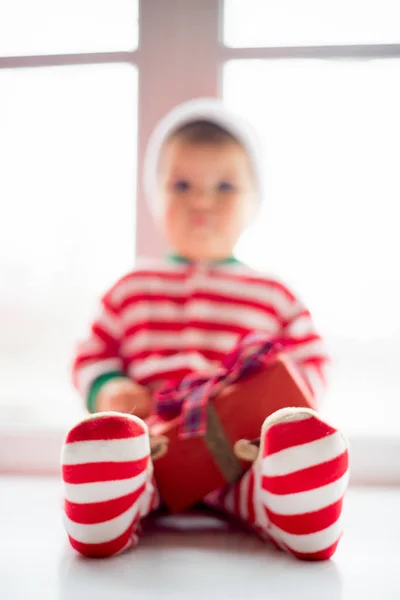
[193, 55]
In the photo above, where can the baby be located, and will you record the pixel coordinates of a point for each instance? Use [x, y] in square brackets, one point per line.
[184, 315]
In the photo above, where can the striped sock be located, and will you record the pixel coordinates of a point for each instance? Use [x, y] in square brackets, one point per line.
[293, 493]
[107, 473]
[304, 474]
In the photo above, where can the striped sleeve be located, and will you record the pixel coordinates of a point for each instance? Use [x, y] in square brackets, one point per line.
[304, 345]
[97, 356]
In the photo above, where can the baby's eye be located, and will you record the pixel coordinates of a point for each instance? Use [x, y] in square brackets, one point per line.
[181, 185]
[226, 186]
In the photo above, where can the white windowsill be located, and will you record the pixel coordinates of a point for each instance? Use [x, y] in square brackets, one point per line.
[35, 450]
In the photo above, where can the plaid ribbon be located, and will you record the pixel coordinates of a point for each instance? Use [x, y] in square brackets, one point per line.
[190, 396]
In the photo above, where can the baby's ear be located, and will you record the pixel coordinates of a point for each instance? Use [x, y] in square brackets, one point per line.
[158, 446]
[247, 450]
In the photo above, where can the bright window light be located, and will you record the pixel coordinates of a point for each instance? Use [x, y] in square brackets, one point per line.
[67, 189]
[257, 23]
[329, 225]
[67, 26]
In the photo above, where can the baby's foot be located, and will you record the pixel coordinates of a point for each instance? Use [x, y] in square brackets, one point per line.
[304, 474]
[107, 471]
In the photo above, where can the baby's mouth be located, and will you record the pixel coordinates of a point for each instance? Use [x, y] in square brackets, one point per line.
[200, 220]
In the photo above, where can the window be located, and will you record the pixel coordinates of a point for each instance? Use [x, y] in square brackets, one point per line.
[47, 27]
[82, 86]
[321, 83]
[328, 224]
[280, 23]
[68, 189]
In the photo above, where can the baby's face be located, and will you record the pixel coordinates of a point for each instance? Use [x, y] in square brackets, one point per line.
[208, 194]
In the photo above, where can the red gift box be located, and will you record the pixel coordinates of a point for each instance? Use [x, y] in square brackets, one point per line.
[193, 467]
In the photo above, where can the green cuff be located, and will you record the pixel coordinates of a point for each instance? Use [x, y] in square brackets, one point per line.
[96, 385]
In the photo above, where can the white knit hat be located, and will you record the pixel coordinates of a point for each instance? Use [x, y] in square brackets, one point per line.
[201, 109]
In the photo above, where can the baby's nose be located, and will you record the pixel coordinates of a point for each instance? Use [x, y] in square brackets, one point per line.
[201, 198]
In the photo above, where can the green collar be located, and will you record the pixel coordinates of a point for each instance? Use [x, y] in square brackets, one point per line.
[223, 261]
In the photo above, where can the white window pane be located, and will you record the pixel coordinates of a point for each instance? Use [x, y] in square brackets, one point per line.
[329, 224]
[67, 189]
[254, 23]
[67, 26]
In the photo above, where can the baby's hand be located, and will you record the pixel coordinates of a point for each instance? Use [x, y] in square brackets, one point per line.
[123, 395]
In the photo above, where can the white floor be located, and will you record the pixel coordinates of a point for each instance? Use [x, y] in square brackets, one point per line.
[193, 558]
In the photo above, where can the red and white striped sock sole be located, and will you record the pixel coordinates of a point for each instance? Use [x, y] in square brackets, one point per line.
[107, 473]
[304, 475]
[293, 493]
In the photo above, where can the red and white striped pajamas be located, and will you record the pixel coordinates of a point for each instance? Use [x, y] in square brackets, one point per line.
[164, 322]
[168, 319]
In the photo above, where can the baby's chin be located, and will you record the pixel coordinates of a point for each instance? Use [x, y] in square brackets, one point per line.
[201, 232]
[204, 247]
